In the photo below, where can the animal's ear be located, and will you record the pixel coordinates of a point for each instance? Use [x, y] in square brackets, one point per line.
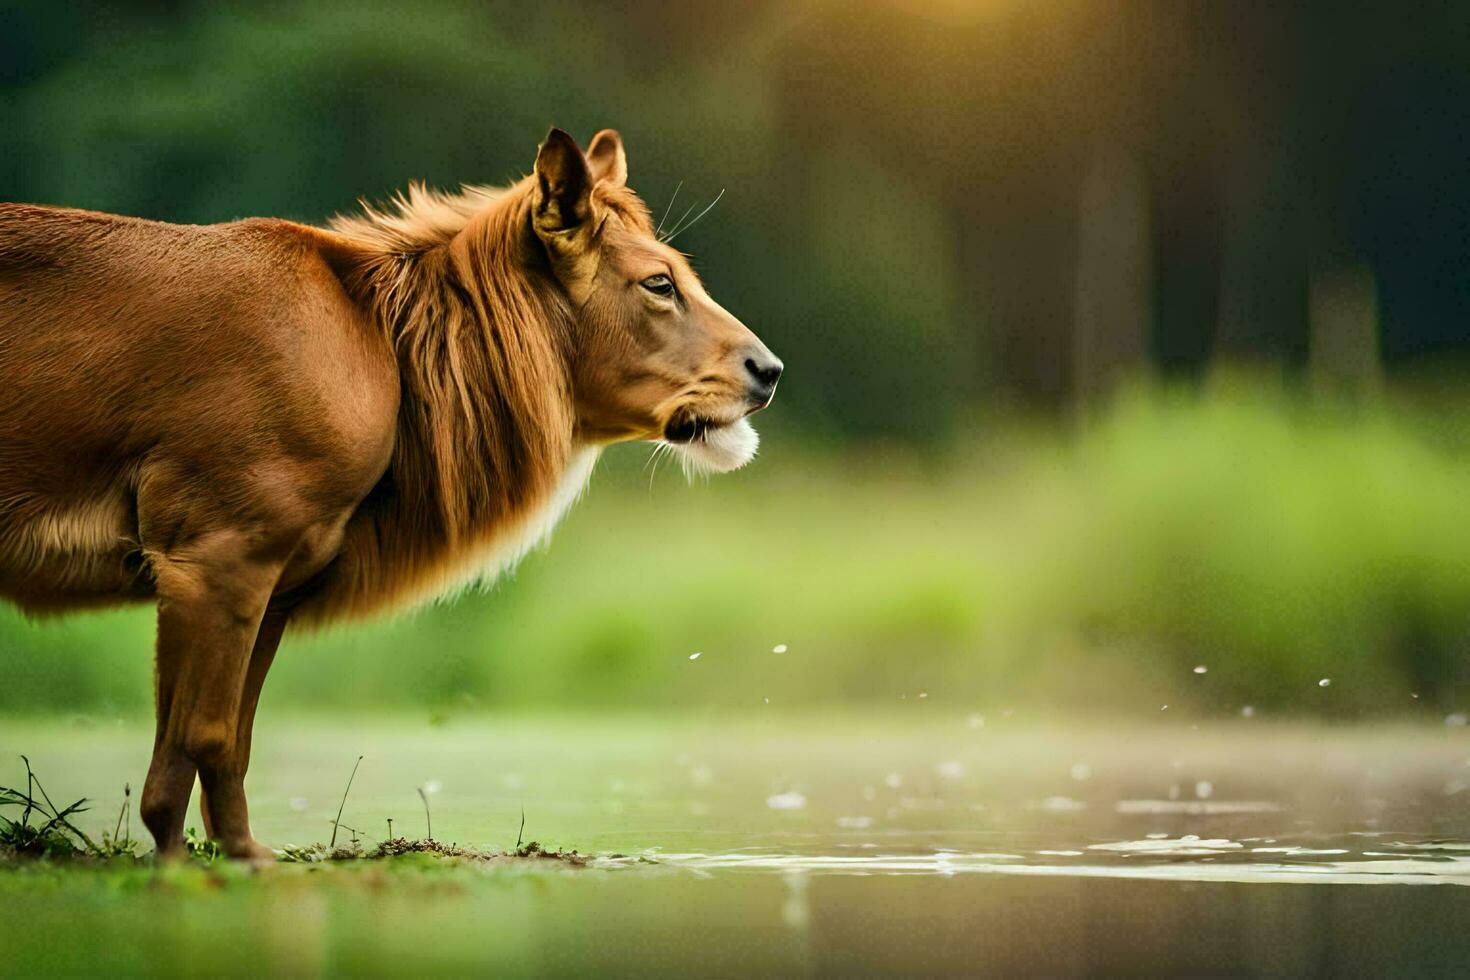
[606, 158]
[562, 202]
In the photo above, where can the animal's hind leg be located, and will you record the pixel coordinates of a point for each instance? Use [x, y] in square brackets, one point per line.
[209, 611]
[228, 789]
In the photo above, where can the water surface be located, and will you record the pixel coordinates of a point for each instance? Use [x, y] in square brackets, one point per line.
[929, 842]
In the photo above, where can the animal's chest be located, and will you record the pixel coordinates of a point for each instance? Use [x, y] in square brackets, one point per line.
[481, 565]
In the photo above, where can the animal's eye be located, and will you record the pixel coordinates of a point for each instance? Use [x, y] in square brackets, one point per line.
[659, 285]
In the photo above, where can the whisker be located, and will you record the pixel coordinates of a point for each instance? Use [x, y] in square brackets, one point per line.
[672, 199]
[683, 227]
[678, 225]
[660, 451]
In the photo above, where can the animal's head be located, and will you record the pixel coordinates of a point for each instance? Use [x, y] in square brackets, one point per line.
[655, 357]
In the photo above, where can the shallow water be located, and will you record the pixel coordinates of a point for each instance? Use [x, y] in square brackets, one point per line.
[933, 842]
[844, 795]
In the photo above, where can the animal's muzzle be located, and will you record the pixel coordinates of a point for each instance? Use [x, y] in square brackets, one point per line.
[763, 369]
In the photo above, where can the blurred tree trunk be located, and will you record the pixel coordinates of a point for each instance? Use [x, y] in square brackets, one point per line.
[1186, 264]
[1017, 250]
[1112, 303]
[1263, 262]
[1344, 321]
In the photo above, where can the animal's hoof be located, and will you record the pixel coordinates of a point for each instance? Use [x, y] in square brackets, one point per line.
[252, 851]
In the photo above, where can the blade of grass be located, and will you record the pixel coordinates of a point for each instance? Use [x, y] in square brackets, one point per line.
[336, 822]
[59, 816]
[25, 818]
[127, 794]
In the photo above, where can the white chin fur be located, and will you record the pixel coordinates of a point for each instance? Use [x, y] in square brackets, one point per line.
[721, 449]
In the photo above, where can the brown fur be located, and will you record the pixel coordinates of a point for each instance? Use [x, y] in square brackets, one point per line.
[261, 422]
[487, 422]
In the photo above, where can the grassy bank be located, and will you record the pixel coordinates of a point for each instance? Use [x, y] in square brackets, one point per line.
[1273, 545]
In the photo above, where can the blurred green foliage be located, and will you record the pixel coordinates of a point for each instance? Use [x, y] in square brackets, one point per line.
[951, 220]
[1269, 541]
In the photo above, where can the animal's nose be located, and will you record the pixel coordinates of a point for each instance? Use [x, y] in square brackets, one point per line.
[765, 368]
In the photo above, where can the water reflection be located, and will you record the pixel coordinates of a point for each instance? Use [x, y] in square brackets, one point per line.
[1187, 858]
[937, 794]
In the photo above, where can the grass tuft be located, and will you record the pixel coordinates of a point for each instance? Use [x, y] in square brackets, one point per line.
[45, 830]
[201, 848]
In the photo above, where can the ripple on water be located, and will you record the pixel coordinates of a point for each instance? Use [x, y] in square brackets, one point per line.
[1186, 846]
[1196, 808]
[1215, 860]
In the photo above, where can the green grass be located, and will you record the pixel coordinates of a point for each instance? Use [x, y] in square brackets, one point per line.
[1271, 542]
[37, 828]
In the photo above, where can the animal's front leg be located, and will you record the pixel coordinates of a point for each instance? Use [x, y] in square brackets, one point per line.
[224, 793]
[209, 612]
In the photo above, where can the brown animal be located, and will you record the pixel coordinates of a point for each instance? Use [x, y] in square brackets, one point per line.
[262, 423]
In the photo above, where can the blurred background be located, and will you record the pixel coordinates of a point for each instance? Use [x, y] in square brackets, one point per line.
[1126, 343]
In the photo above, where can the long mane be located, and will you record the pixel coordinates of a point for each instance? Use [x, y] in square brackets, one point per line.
[486, 420]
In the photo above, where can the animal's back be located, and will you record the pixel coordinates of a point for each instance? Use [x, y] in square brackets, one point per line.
[126, 343]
